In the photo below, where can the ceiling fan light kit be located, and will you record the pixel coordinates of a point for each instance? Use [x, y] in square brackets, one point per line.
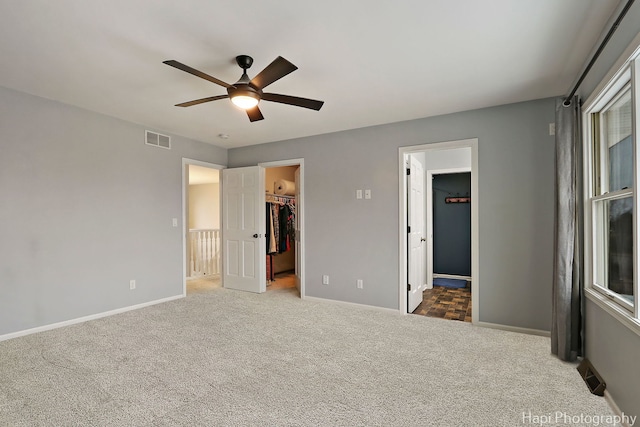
[245, 100]
[247, 93]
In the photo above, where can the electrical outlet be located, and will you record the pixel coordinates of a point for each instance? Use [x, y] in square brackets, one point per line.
[132, 284]
[367, 194]
[359, 283]
[325, 280]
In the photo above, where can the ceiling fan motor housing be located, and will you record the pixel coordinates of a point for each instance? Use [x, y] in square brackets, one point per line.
[244, 89]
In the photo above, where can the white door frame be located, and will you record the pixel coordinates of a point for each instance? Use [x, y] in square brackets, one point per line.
[429, 178]
[299, 213]
[185, 219]
[402, 212]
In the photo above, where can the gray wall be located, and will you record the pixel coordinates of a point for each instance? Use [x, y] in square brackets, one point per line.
[612, 347]
[351, 239]
[86, 207]
[451, 225]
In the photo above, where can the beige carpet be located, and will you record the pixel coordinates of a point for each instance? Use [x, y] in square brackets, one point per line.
[228, 358]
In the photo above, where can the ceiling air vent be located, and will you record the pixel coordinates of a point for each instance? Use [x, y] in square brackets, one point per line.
[157, 139]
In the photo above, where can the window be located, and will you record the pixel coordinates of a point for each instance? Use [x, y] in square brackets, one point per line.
[611, 209]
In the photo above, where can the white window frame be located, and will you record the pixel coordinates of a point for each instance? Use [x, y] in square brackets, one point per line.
[625, 72]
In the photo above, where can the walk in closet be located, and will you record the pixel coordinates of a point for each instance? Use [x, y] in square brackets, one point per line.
[280, 198]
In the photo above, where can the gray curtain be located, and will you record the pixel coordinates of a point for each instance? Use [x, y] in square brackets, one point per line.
[567, 322]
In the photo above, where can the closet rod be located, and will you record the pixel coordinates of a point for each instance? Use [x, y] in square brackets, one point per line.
[279, 195]
[614, 27]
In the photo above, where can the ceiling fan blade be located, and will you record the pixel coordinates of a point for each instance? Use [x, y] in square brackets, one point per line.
[293, 100]
[196, 73]
[201, 101]
[279, 68]
[254, 114]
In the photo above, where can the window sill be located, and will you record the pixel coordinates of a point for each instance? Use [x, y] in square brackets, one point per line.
[613, 309]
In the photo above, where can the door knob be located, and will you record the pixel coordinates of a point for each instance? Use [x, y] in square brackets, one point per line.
[255, 236]
[422, 239]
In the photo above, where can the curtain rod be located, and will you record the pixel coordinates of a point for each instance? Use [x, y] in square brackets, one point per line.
[614, 27]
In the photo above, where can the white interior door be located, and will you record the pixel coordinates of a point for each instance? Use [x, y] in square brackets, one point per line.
[243, 229]
[416, 259]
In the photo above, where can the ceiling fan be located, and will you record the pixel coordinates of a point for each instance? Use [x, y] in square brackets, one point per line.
[247, 93]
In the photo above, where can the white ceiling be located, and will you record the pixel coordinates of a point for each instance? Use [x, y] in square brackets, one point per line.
[371, 62]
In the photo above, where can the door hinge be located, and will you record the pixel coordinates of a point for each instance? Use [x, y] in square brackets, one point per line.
[409, 287]
[408, 229]
[408, 171]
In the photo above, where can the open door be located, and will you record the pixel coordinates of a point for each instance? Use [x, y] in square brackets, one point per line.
[243, 229]
[416, 259]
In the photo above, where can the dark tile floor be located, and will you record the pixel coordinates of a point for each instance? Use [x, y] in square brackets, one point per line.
[446, 303]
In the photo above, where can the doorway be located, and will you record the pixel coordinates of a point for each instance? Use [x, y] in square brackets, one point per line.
[452, 156]
[450, 224]
[244, 225]
[448, 294]
[202, 252]
[281, 183]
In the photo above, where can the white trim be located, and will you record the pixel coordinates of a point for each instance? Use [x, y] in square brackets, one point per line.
[616, 409]
[85, 318]
[475, 232]
[429, 228]
[351, 304]
[185, 220]
[278, 163]
[451, 276]
[614, 195]
[517, 329]
[614, 72]
[635, 128]
[615, 310]
[186, 160]
[623, 73]
[449, 171]
[301, 213]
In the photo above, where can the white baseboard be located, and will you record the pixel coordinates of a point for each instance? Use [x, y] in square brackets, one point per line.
[85, 318]
[450, 276]
[513, 329]
[481, 324]
[616, 410]
[351, 304]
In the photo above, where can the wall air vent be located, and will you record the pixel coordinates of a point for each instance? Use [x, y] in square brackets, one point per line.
[157, 139]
